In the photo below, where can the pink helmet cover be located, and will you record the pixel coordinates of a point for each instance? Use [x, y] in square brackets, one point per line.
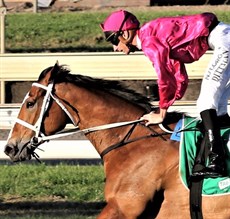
[114, 21]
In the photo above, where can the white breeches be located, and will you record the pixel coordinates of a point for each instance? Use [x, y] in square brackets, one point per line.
[215, 87]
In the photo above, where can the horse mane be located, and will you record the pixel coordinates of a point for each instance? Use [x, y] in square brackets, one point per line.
[114, 87]
[117, 88]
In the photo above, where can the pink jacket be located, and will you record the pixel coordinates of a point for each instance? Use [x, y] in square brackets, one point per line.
[169, 43]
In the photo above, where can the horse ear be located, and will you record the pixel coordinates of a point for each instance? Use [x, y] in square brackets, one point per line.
[54, 71]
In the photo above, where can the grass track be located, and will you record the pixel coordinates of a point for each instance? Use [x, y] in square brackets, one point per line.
[60, 191]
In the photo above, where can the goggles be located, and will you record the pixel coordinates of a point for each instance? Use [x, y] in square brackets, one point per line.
[113, 37]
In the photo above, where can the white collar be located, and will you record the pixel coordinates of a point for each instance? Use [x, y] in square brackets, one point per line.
[138, 42]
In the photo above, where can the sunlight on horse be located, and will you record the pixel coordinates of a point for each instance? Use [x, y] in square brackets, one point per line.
[142, 176]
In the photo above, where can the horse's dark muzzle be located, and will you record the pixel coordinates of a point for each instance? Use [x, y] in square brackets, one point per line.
[15, 154]
[11, 152]
[8, 150]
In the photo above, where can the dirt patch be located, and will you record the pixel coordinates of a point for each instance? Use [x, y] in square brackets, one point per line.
[50, 209]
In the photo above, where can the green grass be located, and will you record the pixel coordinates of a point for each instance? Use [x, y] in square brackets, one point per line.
[51, 192]
[52, 31]
[70, 32]
[41, 182]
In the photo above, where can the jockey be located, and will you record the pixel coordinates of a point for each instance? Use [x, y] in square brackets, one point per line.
[169, 43]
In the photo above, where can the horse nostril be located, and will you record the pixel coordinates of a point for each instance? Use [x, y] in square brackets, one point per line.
[8, 149]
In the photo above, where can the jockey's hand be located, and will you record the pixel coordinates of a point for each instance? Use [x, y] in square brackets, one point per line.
[154, 117]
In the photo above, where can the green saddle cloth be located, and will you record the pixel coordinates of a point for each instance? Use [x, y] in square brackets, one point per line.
[189, 139]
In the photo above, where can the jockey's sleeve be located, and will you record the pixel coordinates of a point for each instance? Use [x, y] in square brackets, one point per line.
[172, 75]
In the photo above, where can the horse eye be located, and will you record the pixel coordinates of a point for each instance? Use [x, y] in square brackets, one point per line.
[29, 104]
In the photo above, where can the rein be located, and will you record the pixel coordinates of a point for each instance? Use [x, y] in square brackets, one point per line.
[88, 130]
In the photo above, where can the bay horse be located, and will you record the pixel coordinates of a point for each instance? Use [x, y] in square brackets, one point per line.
[141, 163]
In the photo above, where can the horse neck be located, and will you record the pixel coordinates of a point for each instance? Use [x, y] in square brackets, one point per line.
[108, 113]
[99, 108]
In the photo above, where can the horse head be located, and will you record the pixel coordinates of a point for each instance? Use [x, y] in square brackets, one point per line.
[39, 115]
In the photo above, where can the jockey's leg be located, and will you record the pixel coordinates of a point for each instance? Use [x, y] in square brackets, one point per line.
[213, 98]
[216, 161]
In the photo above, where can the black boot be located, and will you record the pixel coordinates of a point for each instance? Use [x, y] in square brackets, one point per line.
[216, 160]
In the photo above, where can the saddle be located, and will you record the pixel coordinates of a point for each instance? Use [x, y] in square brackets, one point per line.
[190, 139]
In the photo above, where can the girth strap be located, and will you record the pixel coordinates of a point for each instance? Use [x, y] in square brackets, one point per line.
[121, 143]
[196, 199]
[126, 139]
